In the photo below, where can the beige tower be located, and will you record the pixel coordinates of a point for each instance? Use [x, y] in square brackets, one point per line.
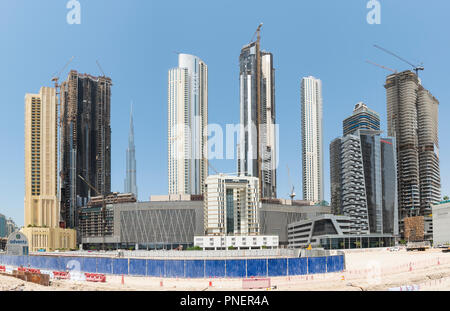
[41, 198]
[41, 202]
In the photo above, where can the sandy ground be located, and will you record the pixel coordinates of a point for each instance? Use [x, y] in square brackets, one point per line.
[378, 270]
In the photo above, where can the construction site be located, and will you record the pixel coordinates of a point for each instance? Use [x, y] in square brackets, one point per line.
[380, 269]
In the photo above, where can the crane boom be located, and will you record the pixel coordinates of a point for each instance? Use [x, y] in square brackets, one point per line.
[381, 66]
[100, 67]
[56, 76]
[257, 33]
[90, 186]
[416, 68]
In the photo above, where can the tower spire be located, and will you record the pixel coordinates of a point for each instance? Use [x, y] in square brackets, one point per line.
[130, 180]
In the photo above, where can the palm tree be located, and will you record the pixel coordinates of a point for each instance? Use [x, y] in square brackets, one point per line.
[446, 198]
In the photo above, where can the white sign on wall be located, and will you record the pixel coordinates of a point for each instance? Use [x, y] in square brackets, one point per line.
[17, 244]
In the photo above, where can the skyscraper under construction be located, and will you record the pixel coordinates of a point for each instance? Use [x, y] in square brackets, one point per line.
[413, 119]
[85, 142]
[257, 153]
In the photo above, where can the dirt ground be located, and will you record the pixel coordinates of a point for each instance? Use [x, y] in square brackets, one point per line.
[375, 269]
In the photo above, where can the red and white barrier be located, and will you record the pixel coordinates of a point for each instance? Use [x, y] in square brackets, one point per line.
[61, 275]
[95, 277]
[2, 269]
[23, 269]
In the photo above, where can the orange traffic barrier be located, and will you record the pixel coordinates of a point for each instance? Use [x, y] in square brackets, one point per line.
[95, 277]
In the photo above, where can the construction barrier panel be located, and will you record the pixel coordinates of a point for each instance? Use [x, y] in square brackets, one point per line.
[317, 265]
[104, 265]
[120, 266]
[297, 266]
[89, 264]
[214, 268]
[155, 267]
[138, 267]
[195, 269]
[236, 268]
[174, 268]
[185, 268]
[256, 267]
[277, 267]
[335, 263]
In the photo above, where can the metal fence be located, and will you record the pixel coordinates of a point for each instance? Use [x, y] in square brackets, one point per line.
[279, 252]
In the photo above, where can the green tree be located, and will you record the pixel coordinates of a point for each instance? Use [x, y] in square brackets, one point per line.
[446, 198]
[194, 248]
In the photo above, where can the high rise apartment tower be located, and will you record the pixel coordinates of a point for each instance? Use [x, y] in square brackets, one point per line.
[85, 142]
[41, 196]
[412, 114]
[312, 154]
[257, 150]
[187, 126]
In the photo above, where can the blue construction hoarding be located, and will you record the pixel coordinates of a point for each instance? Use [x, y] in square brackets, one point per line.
[182, 268]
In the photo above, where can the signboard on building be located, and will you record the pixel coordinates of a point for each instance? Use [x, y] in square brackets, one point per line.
[17, 244]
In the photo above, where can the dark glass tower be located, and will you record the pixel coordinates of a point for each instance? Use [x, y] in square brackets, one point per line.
[363, 176]
[85, 142]
[257, 150]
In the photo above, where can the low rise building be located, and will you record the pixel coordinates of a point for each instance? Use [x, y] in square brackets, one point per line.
[236, 242]
[49, 239]
[441, 223]
[333, 232]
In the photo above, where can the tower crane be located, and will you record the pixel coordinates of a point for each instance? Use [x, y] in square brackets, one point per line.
[55, 78]
[257, 33]
[218, 173]
[100, 67]
[292, 194]
[415, 68]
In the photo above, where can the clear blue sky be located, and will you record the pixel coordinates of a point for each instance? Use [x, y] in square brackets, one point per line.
[136, 44]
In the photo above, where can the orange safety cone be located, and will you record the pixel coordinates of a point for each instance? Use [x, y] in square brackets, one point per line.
[123, 281]
[210, 283]
[161, 283]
